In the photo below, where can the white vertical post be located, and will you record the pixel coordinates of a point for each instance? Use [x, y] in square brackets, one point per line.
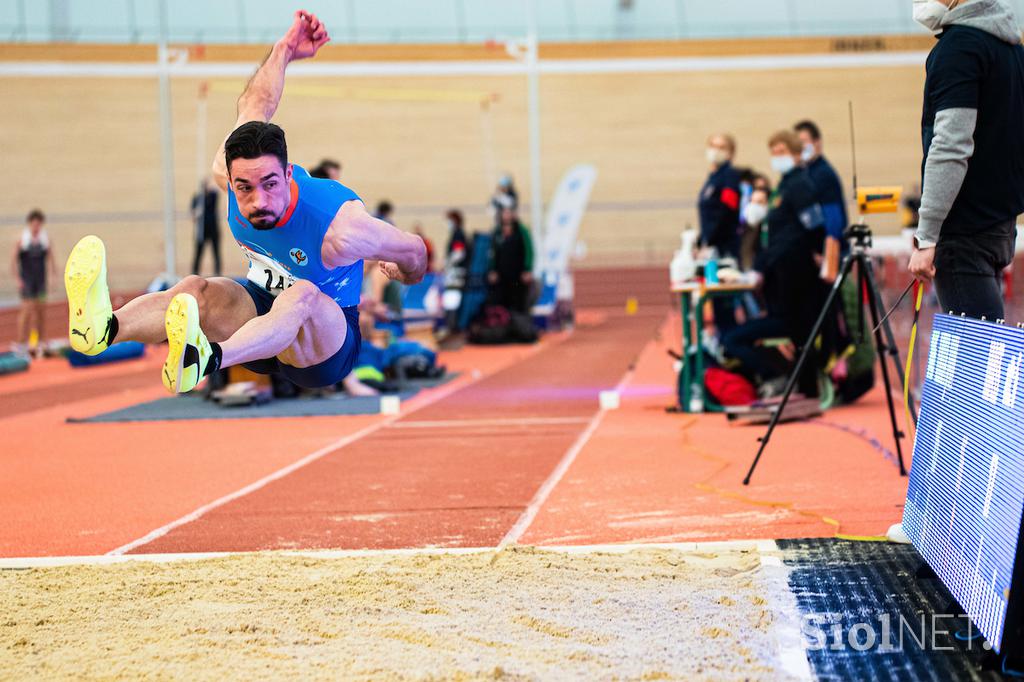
[533, 105]
[202, 162]
[487, 139]
[166, 146]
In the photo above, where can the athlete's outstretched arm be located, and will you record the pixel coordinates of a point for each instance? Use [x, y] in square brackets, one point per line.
[356, 235]
[262, 94]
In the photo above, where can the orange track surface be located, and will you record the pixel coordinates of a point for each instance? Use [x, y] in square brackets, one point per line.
[643, 475]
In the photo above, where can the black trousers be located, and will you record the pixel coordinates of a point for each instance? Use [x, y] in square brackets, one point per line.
[740, 343]
[213, 239]
[968, 270]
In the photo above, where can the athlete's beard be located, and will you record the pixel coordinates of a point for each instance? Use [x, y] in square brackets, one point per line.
[263, 220]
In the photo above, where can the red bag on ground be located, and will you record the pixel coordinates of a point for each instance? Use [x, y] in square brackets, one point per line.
[729, 388]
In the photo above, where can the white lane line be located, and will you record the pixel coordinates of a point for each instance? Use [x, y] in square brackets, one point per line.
[787, 620]
[763, 546]
[442, 392]
[555, 477]
[459, 423]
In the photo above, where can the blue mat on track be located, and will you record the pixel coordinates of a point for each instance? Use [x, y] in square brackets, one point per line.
[194, 406]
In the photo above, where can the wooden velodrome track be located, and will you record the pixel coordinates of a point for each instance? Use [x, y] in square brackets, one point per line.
[87, 150]
[516, 449]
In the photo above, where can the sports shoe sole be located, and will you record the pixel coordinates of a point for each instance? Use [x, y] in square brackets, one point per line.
[182, 325]
[89, 310]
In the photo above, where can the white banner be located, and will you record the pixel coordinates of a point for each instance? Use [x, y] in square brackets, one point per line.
[563, 220]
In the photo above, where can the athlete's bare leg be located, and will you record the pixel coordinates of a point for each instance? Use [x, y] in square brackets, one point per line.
[303, 328]
[224, 307]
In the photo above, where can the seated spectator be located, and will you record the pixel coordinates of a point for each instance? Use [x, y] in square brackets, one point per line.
[511, 269]
[372, 309]
[752, 226]
[786, 269]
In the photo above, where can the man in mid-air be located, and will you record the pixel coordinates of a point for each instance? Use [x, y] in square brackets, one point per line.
[305, 239]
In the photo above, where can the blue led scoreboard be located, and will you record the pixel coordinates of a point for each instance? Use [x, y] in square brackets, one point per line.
[966, 494]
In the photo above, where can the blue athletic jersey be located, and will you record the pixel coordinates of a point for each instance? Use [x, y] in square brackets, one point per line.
[291, 250]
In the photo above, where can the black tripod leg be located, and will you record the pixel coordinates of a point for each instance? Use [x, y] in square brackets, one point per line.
[890, 339]
[804, 352]
[866, 280]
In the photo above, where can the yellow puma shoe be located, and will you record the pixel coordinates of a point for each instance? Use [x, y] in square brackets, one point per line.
[90, 312]
[188, 351]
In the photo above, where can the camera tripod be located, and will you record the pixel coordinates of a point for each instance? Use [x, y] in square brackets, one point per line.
[859, 238]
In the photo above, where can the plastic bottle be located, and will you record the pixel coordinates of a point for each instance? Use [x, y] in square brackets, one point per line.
[711, 271]
[683, 266]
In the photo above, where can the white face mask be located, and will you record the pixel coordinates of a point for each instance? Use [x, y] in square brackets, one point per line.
[808, 153]
[716, 157]
[930, 13]
[783, 164]
[754, 214]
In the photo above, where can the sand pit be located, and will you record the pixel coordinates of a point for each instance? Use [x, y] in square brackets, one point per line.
[524, 614]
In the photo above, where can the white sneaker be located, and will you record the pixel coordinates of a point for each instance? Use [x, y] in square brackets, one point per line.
[896, 534]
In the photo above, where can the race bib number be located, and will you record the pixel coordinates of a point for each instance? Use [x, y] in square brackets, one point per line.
[268, 274]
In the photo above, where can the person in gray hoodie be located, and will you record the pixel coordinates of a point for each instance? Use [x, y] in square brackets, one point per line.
[972, 129]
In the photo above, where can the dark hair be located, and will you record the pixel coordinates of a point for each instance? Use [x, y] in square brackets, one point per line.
[255, 139]
[455, 215]
[35, 214]
[746, 174]
[809, 127]
[321, 170]
[384, 207]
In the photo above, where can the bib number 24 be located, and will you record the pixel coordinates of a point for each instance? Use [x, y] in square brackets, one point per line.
[271, 285]
[267, 274]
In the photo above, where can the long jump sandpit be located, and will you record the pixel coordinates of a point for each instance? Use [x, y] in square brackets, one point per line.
[653, 613]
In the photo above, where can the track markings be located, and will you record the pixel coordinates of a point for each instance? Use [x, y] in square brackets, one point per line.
[761, 546]
[416, 405]
[470, 423]
[541, 496]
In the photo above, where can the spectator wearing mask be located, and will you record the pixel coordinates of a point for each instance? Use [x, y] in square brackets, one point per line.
[505, 196]
[511, 271]
[973, 186]
[786, 268]
[754, 214]
[32, 259]
[327, 169]
[206, 218]
[830, 192]
[719, 201]
[719, 208]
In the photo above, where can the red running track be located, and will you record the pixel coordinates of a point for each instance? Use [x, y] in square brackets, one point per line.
[454, 473]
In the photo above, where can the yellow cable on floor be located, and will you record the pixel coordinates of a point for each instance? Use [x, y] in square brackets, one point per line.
[789, 506]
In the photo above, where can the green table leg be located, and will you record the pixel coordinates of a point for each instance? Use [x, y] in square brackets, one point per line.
[686, 372]
[697, 385]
